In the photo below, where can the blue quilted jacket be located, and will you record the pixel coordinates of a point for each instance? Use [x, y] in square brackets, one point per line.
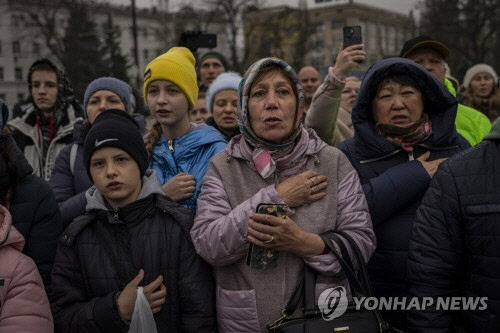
[189, 153]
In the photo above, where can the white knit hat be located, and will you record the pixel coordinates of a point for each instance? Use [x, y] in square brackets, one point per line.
[225, 81]
[476, 69]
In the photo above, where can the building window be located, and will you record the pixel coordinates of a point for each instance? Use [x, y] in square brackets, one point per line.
[36, 48]
[20, 97]
[317, 62]
[337, 24]
[14, 20]
[18, 73]
[1, 73]
[319, 44]
[318, 27]
[337, 39]
[372, 32]
[16, 47]
[363, 30]
[392, 40]
[383, 39]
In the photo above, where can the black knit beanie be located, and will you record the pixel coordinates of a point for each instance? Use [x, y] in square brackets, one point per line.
[116, 128]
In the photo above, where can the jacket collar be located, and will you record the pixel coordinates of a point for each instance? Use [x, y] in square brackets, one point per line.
[27, 123]
[198, 135]
[150, 185]
[96, 205]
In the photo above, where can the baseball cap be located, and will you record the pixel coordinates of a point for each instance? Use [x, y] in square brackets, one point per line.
[423, 41]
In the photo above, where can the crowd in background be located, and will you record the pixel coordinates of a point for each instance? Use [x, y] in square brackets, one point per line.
[99, 198]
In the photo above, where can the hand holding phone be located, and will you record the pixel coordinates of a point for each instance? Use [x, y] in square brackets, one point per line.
[352, 36]
[258, 257]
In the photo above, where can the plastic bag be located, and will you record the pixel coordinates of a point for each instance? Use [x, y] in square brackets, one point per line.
[142, 318]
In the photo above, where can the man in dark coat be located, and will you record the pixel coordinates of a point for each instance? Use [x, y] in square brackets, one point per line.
[455, 248]
[131, 235]
[394, 180]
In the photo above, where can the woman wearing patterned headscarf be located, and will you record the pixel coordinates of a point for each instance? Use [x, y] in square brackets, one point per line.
[274, 160]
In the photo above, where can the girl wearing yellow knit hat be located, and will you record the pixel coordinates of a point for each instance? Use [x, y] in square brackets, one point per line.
[179, 151]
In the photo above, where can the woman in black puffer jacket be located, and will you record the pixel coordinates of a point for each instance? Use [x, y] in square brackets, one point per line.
[404, 122]
[31, 203]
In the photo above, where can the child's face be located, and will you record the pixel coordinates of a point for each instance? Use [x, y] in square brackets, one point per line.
[116, 175]
[167, 103]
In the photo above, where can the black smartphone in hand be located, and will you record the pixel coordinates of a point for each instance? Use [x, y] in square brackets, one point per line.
[352, 35]
[258, 257]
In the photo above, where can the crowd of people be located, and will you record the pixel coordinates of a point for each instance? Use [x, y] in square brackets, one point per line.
[99, 201]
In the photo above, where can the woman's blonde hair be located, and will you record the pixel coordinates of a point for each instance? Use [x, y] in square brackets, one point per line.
[152, 137]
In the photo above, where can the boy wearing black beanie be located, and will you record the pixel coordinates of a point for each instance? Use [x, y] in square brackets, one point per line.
[131, 236]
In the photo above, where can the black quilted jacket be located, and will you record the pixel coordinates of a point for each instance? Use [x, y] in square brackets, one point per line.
[102, 251]
[455, 246]
[36, 215]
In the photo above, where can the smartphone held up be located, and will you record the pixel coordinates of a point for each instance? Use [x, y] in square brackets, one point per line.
[352, 36]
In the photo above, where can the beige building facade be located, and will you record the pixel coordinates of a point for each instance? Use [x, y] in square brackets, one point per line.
[21, 41]
[383, 31]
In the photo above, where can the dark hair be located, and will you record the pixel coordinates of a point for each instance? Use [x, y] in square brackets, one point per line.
[8, 168]
[402, 79]
[41, 65]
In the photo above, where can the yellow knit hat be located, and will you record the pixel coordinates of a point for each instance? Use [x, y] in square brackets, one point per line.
[176, 66]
